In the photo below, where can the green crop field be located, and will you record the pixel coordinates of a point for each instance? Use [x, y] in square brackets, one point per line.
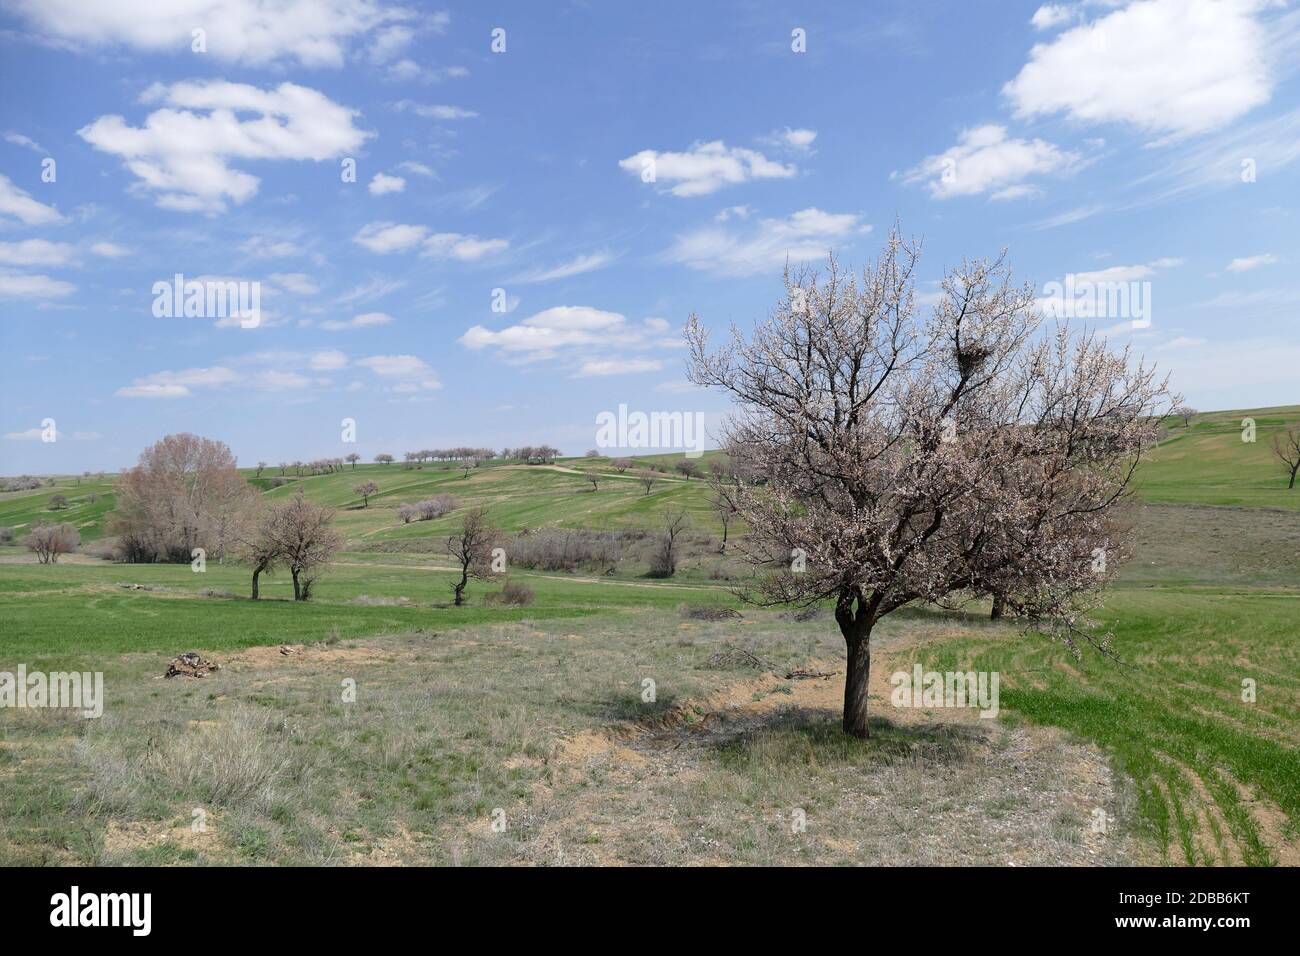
[1185, 743]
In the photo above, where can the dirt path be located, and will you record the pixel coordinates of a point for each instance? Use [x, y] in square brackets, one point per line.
[579, 579]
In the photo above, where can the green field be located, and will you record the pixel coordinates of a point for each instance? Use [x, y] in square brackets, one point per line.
[538, 710]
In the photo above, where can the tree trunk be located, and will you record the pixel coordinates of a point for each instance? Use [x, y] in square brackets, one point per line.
[1293, 474]
[999, 606]
[297, 589]
[855, 687]
[856, 626]
[256, 572]
[459, 589]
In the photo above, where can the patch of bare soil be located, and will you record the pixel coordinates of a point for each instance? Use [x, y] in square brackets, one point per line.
[307, 655]
[647, 792]
[120, 838]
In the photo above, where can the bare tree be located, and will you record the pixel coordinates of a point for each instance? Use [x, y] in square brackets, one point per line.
[471, 547]
[58, 502]
[648, 480]
[1286, 445]
[903, 460]
[354, 458]
[185, 493]
[365, 490]
[594, 477]
[664, 562]
[261, 466]
[1186, 413]
[384, 459]
[622, 464]
[302, 534]
[49, 541]
[724, 500]
[258, 547]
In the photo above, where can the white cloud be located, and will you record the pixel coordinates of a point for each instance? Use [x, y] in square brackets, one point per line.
[18, 204]
[1055, 305]
[407, 70]
[800, 139]
[416, 169]
[153, 391]
[183, 151]
[295, 282]
[33, 287]
[1051, 15]
[705, 167]
[590, 341]
[365, 320]
[18, 139]
[388, 42]
[263, 247]
[1247, 263]
[619, 367]
[109, 250]
[766, 245]
[179, 384]
[328, 360]
[387, 237]
[588, 262]
[434, 111]
[452, 245]
[554, 328]
[36, 252]
[407, 373]
[38, 434]
[985, 160]
[1168, 66]
[313, 33]
[382, 183]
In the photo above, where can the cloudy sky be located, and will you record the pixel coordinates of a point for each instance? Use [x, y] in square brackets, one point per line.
[544, 192]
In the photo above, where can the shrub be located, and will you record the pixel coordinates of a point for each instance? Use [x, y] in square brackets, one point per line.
[6, 535]
[709, 612]
[512, 594]
[106, 549]
[437, 506]
[563, 550]
[51, 540]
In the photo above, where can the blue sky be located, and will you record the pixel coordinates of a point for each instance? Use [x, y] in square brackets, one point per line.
[1154, 141]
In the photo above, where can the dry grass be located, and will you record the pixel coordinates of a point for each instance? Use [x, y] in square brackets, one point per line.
[545, 721]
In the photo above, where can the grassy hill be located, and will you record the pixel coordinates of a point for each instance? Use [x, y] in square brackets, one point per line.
[1209, 464]
[1204, 464]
